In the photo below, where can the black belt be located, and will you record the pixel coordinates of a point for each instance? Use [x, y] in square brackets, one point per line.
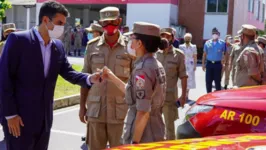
[214, 62]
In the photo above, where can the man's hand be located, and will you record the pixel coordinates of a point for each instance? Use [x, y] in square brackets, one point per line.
[195, 68]
[82, 115]
[182, 100]
[14, 126]
[204, 68]
[95, 78]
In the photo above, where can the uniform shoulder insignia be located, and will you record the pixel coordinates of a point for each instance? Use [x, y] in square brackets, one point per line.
[176, 50]
[125, 38]
[93, 40]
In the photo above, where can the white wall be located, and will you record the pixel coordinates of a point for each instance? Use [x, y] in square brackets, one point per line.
[218, 21]
[153, 13]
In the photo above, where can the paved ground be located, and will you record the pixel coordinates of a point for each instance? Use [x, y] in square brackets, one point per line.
[67, 129]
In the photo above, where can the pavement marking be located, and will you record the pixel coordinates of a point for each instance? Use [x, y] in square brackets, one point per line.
[65, 111]
[67, 133]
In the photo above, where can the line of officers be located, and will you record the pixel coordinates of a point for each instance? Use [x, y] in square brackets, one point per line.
[139, 83]
[246, 59]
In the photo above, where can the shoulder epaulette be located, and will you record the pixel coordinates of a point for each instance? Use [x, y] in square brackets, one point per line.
[93, 40]
[176, 50]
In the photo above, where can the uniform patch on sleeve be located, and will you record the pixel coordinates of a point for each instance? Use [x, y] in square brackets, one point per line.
[140, 94]
[140, 81]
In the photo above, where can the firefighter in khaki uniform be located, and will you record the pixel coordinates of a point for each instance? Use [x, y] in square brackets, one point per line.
[145, 91]
[173, 61]
[106, 108]
[248, 71]
[262, 44]
[7, 29]
[227, 68]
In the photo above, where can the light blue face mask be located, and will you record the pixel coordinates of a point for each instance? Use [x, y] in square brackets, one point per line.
[90, 36]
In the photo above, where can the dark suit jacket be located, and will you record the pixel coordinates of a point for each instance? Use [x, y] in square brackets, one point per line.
[24, 90]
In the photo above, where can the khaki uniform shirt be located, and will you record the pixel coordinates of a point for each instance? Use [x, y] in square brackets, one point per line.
[145, 91]
[236, 50]
[105, 101]
[2, 44]
[174, 65]
[228, 51]
[264, 60]
[247, 65]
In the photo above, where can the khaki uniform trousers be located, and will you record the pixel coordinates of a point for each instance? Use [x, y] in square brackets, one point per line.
[170, 113]
[100, 133]
[227, 72]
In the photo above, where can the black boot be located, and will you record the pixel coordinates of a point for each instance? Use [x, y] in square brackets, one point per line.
[225, 87]
[79, 53]
[75, 52]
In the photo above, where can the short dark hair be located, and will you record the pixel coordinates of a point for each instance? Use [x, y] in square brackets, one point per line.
[151, 43]
[50, 9]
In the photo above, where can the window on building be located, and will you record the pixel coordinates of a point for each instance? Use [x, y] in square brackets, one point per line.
[251, 5]
[217, 6]
[263, 13]
[258, 10]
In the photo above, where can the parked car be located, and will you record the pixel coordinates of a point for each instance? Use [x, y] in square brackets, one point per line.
[228, 142]
[233, 111]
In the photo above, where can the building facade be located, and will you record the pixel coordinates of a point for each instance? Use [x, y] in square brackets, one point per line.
[199, 17]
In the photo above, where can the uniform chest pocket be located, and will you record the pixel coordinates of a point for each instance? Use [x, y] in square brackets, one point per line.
[97, 61]
[122, 66]
[171, 68]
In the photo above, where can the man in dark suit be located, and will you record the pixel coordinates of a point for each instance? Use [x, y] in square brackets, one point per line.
[29, 67]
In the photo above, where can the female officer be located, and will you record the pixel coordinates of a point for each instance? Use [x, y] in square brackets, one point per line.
[145, 90]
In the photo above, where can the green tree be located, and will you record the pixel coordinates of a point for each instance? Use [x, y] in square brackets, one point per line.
[4, 5]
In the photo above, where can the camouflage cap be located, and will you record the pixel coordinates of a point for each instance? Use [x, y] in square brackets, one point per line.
[8, 27]
[145, 28]
[262, 39]
[248, 29]
[109, 13]
[168, 31]
[94, 27]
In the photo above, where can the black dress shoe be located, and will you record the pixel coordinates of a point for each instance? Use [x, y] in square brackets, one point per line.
[225, 87]
[83, 138]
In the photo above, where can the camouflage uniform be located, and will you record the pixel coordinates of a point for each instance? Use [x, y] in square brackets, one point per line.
[106, 105]
[145, 92]
[249, 63]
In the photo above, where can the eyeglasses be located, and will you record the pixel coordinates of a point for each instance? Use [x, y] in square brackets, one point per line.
[110, 22]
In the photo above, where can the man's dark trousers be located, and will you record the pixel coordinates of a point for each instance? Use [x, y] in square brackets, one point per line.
[213, 72]
[28, 140]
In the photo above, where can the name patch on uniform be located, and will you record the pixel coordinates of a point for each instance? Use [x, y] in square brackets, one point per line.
[140, 94]
[140, 81]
